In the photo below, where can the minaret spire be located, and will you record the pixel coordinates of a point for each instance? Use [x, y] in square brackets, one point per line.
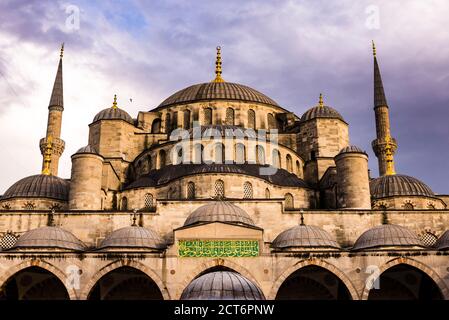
[55, 109]
[218, 77]
[384, 145]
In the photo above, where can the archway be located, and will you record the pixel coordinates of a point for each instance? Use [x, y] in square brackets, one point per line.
[125, 283]
[313, 283]
[33, 283]
[405, 282]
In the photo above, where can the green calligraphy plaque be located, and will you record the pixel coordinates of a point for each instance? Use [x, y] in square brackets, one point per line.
[218, 248]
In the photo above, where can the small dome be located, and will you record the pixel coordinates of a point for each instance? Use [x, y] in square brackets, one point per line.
[49, 237]
[217, 91]
[113, 114]
[443, 241]
[387, 235]
[133, 237]
[351, 149]
[219, 211]
[304, 237]
[39, 186]
[87, 149]
[321, 112]
[222, 285]
[399, 185]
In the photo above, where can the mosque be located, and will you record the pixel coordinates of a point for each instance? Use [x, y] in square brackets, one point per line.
[221, 193]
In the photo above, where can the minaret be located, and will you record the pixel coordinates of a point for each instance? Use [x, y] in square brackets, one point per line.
[384, 145]
[55, 109]
[218, 77]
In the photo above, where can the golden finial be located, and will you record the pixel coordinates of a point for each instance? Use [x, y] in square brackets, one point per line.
[374, 48]
[47, 157]
[114, 104]
[218, 77]
[302, 218]
[320, 101]
[62, 50]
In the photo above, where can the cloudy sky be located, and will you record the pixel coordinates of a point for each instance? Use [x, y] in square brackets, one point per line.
[289, 50]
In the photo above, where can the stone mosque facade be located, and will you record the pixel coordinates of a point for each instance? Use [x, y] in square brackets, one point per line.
[221, 193]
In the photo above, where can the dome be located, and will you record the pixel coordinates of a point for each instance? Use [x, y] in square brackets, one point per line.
[222, 285]
[387, 235]
[219, 211]
[49, 237]
[351, 149]
[133, 237]
[87, 149]
[39, 186]
[321, 112]
[398, 185]
[304, 237]
[113, 114]
[217, 91]
[443, 241]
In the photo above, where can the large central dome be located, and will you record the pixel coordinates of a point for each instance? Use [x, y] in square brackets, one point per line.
[217, 91]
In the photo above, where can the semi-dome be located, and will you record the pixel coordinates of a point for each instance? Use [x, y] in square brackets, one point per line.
[222, 285]
[87, 149]
[113, 114]
[351, 149]
[219, 211]
[443, 241]
[387, 235]
[305, 236]
[217, 91]
[134, 237]
[398, 185]
[39, 186]
[49, 237]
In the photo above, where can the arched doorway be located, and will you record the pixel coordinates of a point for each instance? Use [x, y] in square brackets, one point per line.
[313, 283]
[404, 282]
[33, 283]
[125, 283]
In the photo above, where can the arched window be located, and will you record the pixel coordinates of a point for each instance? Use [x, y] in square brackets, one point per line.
[178, 155]
[219, 189]
[124, 204]
[267, 193]
[276, 155]
[162, 158]
[156, 126]
[167, 122]
[289, 202]
[271, 121]
[148, 201]
[247, 190]
[190, 190]
[298, 168]
[207, 116]
[251, 119]
[8, 241]
[198, 153]
[186, 119]
[174, 124]
[219, 153]
[260, 155]
[229, 117]
[408, 206]
[288, 160]
[240, 153]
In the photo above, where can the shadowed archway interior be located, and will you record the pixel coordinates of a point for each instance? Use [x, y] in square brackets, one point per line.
[33, 283]
[125, 283]
[404, 282]
[313, 283]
